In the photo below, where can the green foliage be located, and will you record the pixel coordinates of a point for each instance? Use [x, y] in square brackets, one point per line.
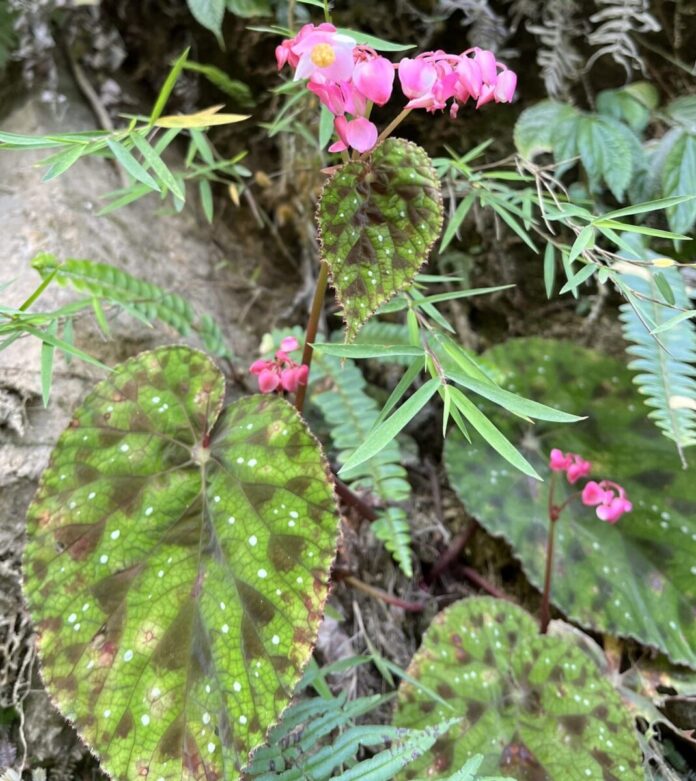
[635, 579]
[378, 218]
[210, 13]
[106, 283]
[532, 133]
[339, 391]
[177, 566]
[139, 148]
[679, 178]
[534, 705]
[664, 360]
[632, 104]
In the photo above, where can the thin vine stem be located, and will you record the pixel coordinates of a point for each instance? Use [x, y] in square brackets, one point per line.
[553, 512]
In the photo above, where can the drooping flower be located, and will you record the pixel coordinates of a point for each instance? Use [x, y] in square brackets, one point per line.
[579, 468]
[281, 372]
[373, 77]
[359, 134]
[559, 461]
[572, 464]
[609, 498]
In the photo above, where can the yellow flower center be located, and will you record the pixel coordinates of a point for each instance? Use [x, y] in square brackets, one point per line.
[323, 55]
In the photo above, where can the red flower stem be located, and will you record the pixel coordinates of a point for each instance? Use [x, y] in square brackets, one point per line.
[477, 579]
[391, 127]
[451, 553]
[545, 612]
[378, 593]
[312, 326]
[354, 501]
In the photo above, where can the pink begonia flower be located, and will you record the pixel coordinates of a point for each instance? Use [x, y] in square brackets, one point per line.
[341, 98]
[285, 54]
[268, 381]
[610, 504]
[281, 372]
[324, 56]
[417, 77]
[359, 134]
[579, 468]
[559, 461]
[505, 86]
[374, 78]
[289, 344]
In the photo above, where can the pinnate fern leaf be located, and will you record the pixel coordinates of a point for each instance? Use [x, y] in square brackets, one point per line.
[339, 391]
[106, 282]
[663, 362]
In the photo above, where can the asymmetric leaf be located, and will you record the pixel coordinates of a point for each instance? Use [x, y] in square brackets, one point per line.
[534, 705]
[177, 566]
[378, 217]
[635, 579]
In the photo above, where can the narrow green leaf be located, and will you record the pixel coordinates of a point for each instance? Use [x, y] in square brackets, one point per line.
[126, 159]
[157, 164]
[206, 195]
[664, 288]
[457, 218]
[647, 206]
[584, 240]
[386, 431]
[668, 324]
[361, 350]
[549, 269]
[168, 85]
[326, 127]
[454, 294]
[518, 405]
[575, 280]
[44, 336]
[492, 435]
[60, 163]
[414, 369]
[378, 44]
[100, 317]
[47, 352]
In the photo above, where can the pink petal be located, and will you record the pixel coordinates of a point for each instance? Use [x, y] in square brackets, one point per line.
[559, 461]
[486, 62]
[470, 77]
[258, 366]
[417, 77]
[288, 379]
[592, 494]
[361, 134]
[505, 86]
[375, 79]
[289, 344]
[268, 381]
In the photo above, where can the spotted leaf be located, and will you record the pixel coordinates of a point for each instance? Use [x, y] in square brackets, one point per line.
[177, 567]
[635, 579]
[534, 705]
[378, 218]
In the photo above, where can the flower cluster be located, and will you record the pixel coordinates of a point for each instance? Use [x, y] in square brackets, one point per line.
[608, 497]
[433, 78]
[348, 78]
[281, 372]
[572, 464]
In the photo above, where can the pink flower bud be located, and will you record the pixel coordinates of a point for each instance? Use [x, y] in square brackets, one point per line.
[258, 366]
[417, 77]
[486, 62]
[289, 344]
[268, 381]
[579, 468]
[375, 79]
[593, 494]
[559, 461]
[505, 86]
[470, 77]
[359, 134]
[302, 374]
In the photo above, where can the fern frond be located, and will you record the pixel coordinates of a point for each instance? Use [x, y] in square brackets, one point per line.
[664, 362]
[557, 56]
[486, 27]
[616, 21]
[339, 391]
[108, 283]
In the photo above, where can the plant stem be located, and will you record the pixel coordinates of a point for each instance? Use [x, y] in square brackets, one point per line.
[389, 129]
[545, 613]
[354, 500]
[378, 593]
[312, 326]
